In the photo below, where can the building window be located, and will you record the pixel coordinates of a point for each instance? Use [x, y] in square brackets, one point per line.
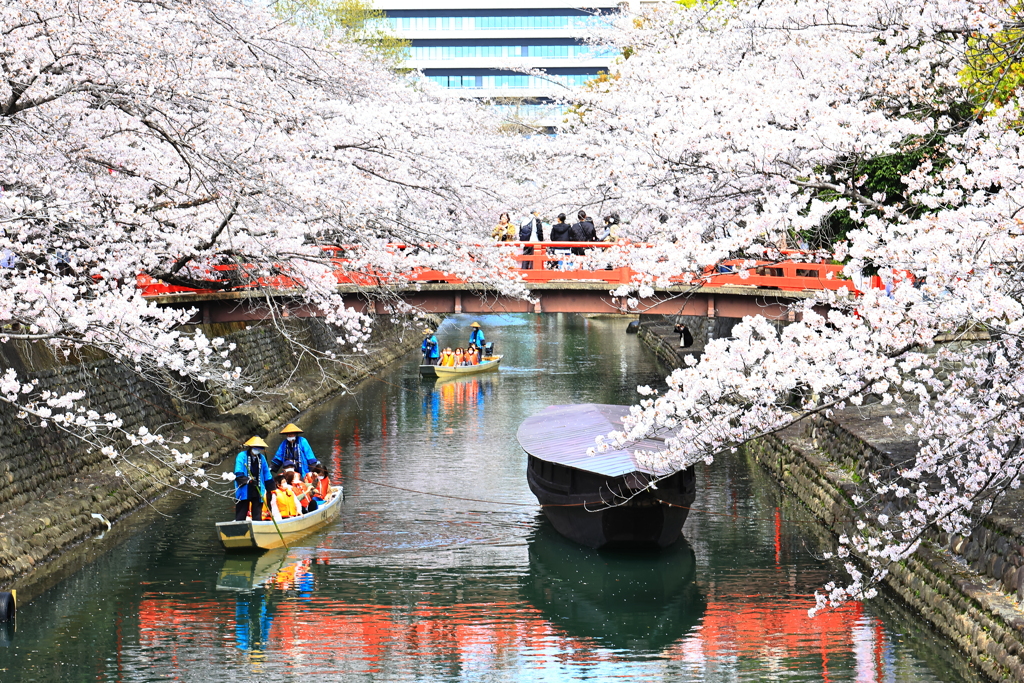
[497, 23]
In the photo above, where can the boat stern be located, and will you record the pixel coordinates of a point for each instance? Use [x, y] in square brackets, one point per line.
[236, 535]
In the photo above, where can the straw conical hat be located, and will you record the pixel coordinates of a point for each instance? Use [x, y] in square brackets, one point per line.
[291, 429]
[475, 325]
[256, 441]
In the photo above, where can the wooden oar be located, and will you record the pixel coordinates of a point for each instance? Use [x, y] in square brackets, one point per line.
[275, 523]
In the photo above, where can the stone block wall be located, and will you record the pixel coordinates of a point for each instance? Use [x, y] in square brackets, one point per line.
[971, 610]
[994, 549]
[970, 589]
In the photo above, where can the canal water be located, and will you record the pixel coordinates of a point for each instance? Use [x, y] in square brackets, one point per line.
[471, 584]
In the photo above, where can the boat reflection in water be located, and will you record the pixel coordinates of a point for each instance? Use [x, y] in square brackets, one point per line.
[636, 601]
[246, 572]
[461, 399]
[7, 629]
[258, 581]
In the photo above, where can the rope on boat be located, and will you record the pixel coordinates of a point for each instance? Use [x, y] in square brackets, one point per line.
[479, 500]
[563, 505]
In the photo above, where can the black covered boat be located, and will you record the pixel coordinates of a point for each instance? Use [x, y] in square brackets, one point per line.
[602, 500]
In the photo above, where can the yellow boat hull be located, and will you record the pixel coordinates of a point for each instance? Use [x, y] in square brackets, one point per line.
[250, 535]
[486, 365]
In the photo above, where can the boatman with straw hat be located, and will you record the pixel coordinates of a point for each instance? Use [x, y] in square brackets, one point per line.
[293, 453]
[476, 336]
[252, 480]
[429, 347]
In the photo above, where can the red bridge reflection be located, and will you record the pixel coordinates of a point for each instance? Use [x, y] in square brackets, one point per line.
[287, 621]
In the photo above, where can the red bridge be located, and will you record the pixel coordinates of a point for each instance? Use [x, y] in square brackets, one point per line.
[768, 288]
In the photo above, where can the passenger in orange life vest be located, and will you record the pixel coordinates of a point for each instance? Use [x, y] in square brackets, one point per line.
[447, 357]
[283, 503]
[460, 357]
[319, 483]
[473, 356]
[303, 491]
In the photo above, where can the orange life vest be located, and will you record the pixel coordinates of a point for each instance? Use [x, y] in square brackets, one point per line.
[286, 504]
[320, 488]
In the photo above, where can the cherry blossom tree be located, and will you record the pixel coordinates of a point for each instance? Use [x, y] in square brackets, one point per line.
[729, 129]
[208, 143]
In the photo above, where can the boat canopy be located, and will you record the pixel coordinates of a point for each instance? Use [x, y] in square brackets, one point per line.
[562, 435]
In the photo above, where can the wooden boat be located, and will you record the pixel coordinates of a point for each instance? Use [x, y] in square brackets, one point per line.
[602, 500]
[428, 370]
[250, 535]
[487, 363]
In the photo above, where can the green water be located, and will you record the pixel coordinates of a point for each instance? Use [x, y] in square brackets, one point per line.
[413, 587]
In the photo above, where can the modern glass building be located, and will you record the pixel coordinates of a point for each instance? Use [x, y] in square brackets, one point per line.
[476, 47]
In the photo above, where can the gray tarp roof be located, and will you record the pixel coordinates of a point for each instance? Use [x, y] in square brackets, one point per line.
[562, 434]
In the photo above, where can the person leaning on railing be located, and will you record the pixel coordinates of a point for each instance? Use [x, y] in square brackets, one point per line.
[559, 233]
[531, 231]
[582, 231]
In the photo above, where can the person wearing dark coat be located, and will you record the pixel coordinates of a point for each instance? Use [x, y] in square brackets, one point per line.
[582, 231]
[531, 231]
[559, 233]
[560, 230]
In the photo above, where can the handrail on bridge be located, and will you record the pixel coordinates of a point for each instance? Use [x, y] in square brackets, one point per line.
[548, 262]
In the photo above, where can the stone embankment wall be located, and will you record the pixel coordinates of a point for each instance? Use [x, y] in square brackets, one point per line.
[970, 589]
[51, 484]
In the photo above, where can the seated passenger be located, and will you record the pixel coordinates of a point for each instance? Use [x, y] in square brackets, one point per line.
[303, 492]
[319, 483]
[447, 357]
[460, 357]
[473, 356]
[282, 503]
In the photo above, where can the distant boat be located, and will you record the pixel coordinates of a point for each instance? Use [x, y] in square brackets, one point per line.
[250, 535]
[486, 364]
[602, 500]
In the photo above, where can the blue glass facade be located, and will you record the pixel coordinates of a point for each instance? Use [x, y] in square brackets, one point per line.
[463, 49]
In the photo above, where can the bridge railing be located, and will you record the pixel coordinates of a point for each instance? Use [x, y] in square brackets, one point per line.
[546, 262]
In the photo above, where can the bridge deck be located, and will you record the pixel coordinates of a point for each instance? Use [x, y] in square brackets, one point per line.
[769, 288]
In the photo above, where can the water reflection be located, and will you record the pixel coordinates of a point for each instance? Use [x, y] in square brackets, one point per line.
[246, 572]
[7, 629]
[637, 602]
[412, 587]
[459, 398]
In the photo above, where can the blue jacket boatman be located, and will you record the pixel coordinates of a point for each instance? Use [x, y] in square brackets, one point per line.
[294, 452]
[252, 480]
[477, 336]
[430, 350]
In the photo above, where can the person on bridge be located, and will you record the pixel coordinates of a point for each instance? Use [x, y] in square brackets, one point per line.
[294, 452]
[531, 231]
[559, 233]
[610, 230]
[431, 353]
[252, 480]
[582, 231]
[476, 337]
[504, 231]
